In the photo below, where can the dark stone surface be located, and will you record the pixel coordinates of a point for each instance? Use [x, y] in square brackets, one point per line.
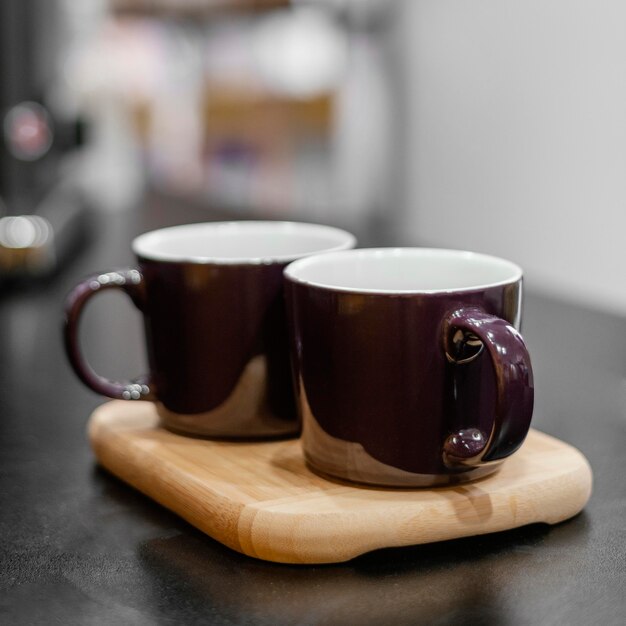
[77, 546]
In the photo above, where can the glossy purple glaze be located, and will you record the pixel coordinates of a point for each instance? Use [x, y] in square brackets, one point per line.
[204, 323]
[212, 299]
[130, 282]
[383, 372]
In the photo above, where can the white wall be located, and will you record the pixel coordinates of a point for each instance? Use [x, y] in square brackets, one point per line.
[517, 137]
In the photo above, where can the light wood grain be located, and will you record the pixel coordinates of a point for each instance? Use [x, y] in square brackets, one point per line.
[262, 500]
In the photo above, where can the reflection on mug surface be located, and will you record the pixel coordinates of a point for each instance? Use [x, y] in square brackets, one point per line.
[216, 333]
[411, 369]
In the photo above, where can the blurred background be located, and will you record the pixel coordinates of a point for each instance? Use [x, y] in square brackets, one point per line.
[496, 126]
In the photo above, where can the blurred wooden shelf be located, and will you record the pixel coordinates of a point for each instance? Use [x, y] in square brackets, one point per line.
[192, 9]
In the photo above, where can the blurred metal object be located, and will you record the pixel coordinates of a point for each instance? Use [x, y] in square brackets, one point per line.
[26, 245]
[45, 219]
[28, 131]
[36, 245]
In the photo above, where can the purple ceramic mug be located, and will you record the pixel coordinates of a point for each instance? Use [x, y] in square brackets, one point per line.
[409, 367]
[212, 299]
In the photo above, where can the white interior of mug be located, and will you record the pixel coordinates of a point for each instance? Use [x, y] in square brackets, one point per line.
[240, 242]
[404, 270]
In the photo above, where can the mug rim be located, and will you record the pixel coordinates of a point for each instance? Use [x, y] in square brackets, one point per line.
[343, 240]
[292, 271]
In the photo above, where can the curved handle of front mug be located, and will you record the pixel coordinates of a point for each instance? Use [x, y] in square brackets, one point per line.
[130, 281]
[466, 333]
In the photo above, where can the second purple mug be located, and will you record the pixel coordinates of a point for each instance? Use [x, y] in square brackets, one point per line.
[409, 367]
[216, 335]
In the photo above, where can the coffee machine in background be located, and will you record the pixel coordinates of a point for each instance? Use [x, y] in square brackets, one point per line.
[43, 217]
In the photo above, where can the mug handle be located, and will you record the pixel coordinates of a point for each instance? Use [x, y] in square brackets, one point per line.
[130, 281]
[467, 332]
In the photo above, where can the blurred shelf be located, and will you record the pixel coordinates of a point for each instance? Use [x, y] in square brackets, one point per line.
[162, 208]
[192, 9]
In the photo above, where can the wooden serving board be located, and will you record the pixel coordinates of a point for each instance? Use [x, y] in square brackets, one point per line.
[262, 500]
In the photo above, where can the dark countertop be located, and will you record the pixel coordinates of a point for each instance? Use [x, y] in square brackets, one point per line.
[77, 546]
